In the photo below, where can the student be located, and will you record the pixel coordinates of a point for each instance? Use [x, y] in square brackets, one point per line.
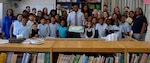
[125, 26]
[6, 23]
[114, 18]
[62, 29]
[86, 15]
[43, 29]
[94, 22]
[35, 30]
[71, 10]
[109, 26]
[16, 26]
[39, 16]
[25, 13]
[28, 9]
[53, 12]
[101, 27]
[34, 11]
[25, 30]
[64, 15]
[106, 16]
[53, 27]
[117, 29]
[57, 17]
[89, 30]
[31, 20]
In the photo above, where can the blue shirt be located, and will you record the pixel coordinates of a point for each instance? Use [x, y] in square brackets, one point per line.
[126, 27]
[16, 26]
[6, 24]
[43, 30]
[53, 29]
[119, 32]
[25, 31]
[101, 30]
[138, 24]
[80, 18]
[62, 31]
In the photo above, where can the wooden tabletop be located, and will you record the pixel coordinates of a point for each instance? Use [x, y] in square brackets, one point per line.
[46, 47]
[87, 46]
[136, 46]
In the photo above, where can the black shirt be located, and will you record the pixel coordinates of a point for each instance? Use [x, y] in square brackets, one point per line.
[34, 32]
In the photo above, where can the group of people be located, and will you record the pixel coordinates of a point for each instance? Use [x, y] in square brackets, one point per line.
[97, 24]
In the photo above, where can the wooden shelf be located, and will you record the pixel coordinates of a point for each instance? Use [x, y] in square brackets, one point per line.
[46, 47]
[136, 47]
[87, 46]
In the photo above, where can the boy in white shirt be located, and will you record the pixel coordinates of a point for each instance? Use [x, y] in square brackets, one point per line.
[101, 27]
[53, 27]
[43, 29]
[31, 20]
[125, 25]
[117, 29]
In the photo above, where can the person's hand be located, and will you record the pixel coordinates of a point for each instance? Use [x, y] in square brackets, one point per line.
[140, 37]
[36, 35]
[3, 34]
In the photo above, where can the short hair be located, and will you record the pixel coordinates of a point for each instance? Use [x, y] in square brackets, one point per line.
[33, 9]
[105, 6]
[34, 23]
[94, 17]
[27, 6]
[24, 11]
[31, 14]
[43, 18]
[19, 14]
[76, 5]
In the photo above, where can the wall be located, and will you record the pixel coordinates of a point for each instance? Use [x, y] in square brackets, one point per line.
[38, 4]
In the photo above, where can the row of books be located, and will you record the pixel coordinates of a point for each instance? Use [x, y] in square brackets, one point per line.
[138, 58]
[78, 0]
[115, 58]
[11, 57]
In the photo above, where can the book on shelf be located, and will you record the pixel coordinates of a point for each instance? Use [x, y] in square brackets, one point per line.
[138, 58]
[9, 57]
[41, 57]
[114, 58]
[2, 57]
[14, 58]
[47, 58]
[77, 57]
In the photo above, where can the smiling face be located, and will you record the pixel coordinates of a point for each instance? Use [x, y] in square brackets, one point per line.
[19, 17]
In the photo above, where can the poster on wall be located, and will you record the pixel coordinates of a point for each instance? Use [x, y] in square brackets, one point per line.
[146, 1]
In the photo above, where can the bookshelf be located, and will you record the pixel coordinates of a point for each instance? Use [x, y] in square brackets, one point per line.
[88, 47]
[67, 4]
[136, 47]
[16, 47]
